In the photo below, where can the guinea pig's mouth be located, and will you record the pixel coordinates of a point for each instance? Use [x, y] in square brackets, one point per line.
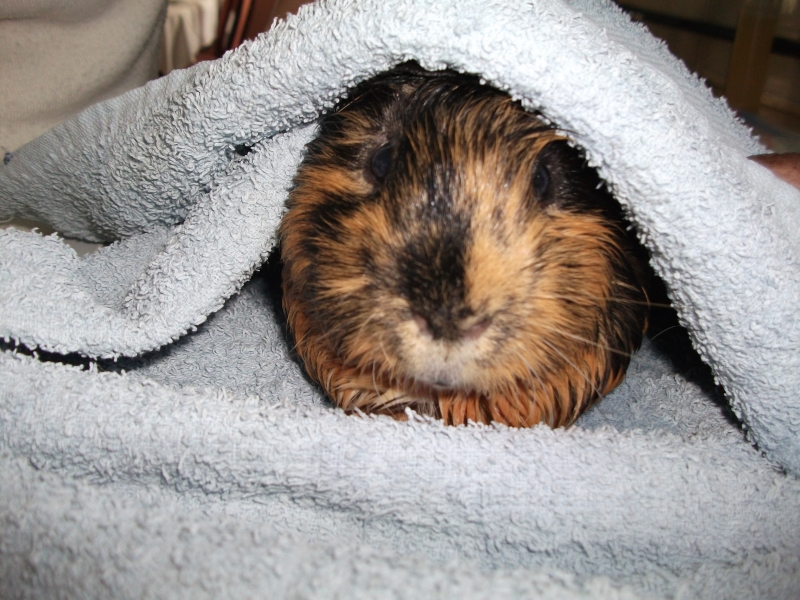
[441, 382]
[442, 369]
[439, 386]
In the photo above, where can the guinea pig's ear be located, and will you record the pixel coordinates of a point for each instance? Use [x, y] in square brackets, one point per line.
[786, 166]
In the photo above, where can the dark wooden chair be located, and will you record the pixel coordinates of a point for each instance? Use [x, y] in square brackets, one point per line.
[241, 20]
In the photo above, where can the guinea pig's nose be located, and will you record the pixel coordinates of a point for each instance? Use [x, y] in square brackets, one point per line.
[424, 326]
[472, 332]
[475, 331]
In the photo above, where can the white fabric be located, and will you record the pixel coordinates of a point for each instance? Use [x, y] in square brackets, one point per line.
[209, 444]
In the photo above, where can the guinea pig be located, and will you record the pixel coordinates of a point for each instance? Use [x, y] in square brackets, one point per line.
[446, 250]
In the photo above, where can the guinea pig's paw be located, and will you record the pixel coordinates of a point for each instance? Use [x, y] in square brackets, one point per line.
[459, 408]
[514, 410]
[354, 390]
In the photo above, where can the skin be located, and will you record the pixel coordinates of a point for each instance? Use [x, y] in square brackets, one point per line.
[447, 251]
[785, 166]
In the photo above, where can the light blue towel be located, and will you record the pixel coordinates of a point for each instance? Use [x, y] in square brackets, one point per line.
[204, 464]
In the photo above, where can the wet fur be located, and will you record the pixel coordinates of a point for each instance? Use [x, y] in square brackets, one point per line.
[450, 285]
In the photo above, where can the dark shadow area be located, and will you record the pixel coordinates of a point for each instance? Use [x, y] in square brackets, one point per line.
[272, 274]
[673, 341]
[73, 359]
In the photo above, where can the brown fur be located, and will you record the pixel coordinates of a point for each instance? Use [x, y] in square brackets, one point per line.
[447, 285]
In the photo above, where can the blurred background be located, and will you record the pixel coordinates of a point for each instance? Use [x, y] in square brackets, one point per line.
[747, 51]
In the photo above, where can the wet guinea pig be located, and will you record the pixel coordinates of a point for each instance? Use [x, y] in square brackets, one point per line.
[448, 251]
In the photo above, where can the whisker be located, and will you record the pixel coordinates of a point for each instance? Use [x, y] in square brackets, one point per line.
[340, 326]
[595, 299]
[581, 373]
[383, 351]
[325, 335]
[374, 381]
[366, 322]
[664, 331]
[533, 372]
[297, 342]
[585, 340]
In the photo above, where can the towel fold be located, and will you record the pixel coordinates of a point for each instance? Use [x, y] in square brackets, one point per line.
[188, 455]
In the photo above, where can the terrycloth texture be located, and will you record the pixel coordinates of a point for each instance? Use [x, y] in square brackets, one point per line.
[206, 464]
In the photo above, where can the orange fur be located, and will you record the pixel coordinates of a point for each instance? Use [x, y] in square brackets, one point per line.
[533, 304]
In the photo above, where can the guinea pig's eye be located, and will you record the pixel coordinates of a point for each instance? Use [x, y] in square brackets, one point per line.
[541, 180]
[381, 161]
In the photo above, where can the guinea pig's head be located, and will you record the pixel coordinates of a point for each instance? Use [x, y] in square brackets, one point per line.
[444, 245]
